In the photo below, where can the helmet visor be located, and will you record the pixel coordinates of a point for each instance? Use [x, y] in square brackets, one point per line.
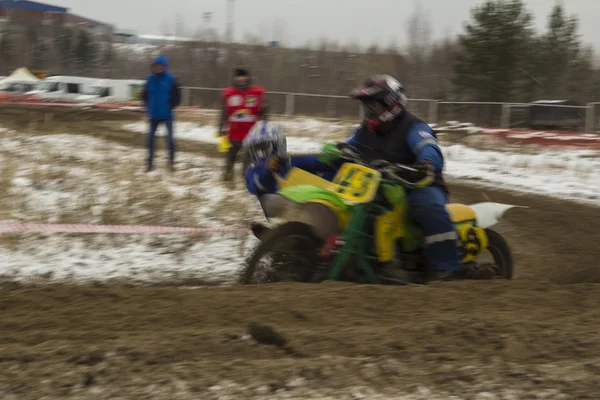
[372, 108]
[261, 150]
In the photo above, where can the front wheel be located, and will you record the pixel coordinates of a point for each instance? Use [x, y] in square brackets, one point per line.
[288, 253]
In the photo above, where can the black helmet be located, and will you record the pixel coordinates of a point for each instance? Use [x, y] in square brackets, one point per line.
[243, 72]
[383, 99]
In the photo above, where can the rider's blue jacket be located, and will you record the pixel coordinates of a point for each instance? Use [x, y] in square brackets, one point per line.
[410, 141]
[259, 180]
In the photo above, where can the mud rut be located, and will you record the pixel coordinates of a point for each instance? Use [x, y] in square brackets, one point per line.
[525, 339]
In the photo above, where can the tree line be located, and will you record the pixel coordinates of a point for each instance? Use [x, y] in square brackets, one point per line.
[498, 57]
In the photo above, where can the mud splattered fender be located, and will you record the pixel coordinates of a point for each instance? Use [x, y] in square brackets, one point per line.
[489, 213]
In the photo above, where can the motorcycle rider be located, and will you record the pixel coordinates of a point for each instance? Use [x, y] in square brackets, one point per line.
[389, 132]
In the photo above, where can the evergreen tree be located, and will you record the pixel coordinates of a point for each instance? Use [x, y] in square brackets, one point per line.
[493, 51]
[560, 54]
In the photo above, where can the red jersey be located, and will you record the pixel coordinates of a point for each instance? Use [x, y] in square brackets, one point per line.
[241, 108]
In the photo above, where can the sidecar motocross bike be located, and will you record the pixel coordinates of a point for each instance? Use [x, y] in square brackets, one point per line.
[352, 227]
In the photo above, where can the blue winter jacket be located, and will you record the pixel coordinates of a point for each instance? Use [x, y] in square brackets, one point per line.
[161, 93]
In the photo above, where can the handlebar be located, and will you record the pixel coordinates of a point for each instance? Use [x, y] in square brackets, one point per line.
[387, 169]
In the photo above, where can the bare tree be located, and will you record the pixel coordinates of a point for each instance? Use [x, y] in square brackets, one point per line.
[321, 66]
[418, 31]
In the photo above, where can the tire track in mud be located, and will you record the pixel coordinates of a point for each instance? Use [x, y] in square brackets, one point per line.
[453, 338]
[554, 239]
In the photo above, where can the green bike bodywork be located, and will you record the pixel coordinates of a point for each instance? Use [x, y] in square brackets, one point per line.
[355, 235]
[307, 193]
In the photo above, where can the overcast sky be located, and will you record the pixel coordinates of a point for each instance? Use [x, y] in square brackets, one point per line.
[344, 20]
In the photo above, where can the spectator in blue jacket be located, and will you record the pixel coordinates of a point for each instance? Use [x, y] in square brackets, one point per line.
[161, 95]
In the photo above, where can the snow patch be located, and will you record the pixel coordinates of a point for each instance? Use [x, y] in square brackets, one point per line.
[302, 131]
[571, 175]
[137, 258]
[60, 178]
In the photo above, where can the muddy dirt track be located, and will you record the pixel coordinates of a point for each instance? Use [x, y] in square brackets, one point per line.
[478, 340]
[464, 339]
[553, 240]
[523, 339]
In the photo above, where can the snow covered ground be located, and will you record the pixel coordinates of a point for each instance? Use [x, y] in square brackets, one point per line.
[79, 179]
[304, 134]
[572, 174]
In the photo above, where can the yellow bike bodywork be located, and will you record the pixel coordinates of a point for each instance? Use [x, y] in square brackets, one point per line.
[356, 184]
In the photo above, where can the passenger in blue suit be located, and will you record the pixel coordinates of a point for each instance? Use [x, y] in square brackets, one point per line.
[389, 132]
[267, 147]
[161, 95]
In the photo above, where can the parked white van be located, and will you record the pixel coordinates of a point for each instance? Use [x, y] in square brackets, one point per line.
[107, 90]
[62, 87]
[17, 87]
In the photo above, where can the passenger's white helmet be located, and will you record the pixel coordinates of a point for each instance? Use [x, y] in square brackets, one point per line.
[265, 139]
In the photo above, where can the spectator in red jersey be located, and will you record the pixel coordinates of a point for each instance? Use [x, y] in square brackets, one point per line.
[243, 105]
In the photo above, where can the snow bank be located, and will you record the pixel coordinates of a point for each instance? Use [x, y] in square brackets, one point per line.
[132, 257]
[457, 127]
[183, 130]
[136, 48]
[571, 175]
[307, 129]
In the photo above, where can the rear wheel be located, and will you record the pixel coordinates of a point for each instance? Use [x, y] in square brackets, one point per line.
[288, 253]
[503, 266]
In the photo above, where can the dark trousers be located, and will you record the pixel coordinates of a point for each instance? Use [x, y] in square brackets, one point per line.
[236, 147]
[154, 123]
[428, 210]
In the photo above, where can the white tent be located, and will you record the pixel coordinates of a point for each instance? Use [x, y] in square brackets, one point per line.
[21, 75]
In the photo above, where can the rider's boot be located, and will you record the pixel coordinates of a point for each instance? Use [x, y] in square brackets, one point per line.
[443, 276]
[471, 271]
[392, 271]
[478, 272]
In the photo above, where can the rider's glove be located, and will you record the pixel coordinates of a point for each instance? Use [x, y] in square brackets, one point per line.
[329, 154]
[274, 163]
[424, 174]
